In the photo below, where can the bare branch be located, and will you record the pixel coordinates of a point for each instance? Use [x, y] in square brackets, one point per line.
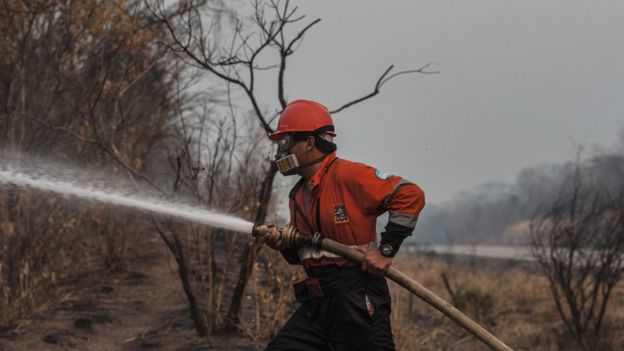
[58, 128]
[381, 81]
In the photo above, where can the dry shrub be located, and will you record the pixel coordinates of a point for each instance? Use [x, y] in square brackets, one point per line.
[578, 243]
[204, 258]
[86, 83]
[38, 249]
[108, 233]
[207, 266]
[47, 241]
[271, 298]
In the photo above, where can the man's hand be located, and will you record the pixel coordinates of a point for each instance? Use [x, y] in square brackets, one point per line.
[375, 263]
[272, 239]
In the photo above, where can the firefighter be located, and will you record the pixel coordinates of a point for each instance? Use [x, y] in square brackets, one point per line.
[343, 306]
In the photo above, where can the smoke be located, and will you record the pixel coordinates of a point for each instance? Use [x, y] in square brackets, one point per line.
[498, 213]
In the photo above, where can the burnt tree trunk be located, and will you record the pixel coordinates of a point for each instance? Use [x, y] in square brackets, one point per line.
[249, 253]
[198, 314]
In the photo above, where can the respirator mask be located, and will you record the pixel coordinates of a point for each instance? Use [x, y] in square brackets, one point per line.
[287, 162]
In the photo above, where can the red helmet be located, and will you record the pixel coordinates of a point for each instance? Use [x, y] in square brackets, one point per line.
[303, 116]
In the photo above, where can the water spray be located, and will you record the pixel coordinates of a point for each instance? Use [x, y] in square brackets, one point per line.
[289, 236]
[153, 205]
[292, 239]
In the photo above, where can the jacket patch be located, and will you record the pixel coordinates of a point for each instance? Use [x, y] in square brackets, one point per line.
[340, 214]
[382, 175]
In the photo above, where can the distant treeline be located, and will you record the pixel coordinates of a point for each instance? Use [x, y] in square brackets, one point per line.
[500, 213]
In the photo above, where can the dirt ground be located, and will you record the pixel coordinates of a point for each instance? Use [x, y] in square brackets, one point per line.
[143, 308]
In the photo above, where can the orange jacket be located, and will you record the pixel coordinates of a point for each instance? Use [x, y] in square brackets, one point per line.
[346, 199]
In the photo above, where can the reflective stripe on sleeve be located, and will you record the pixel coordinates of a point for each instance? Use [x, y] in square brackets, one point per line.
[406, 220]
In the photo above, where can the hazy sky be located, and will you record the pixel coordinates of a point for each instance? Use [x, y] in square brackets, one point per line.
[521, 82]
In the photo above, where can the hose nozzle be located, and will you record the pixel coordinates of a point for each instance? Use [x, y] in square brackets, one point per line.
[289, 235]
[261, 229]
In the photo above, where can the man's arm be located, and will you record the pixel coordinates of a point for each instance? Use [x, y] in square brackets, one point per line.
[378, 193]
[404, 205]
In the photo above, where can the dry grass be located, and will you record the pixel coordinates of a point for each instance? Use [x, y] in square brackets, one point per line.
[514, 303]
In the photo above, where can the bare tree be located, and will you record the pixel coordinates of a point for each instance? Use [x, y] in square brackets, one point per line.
[579, 246]
[192, 31]
[215, 163]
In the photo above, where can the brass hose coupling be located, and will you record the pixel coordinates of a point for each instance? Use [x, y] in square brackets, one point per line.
[290, 237]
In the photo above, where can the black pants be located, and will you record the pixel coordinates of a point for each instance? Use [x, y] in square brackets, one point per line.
[352, 314]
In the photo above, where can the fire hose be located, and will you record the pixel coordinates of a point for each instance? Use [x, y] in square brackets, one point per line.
[291, 238]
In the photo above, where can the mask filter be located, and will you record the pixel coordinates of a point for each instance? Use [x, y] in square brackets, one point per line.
[288, 164]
